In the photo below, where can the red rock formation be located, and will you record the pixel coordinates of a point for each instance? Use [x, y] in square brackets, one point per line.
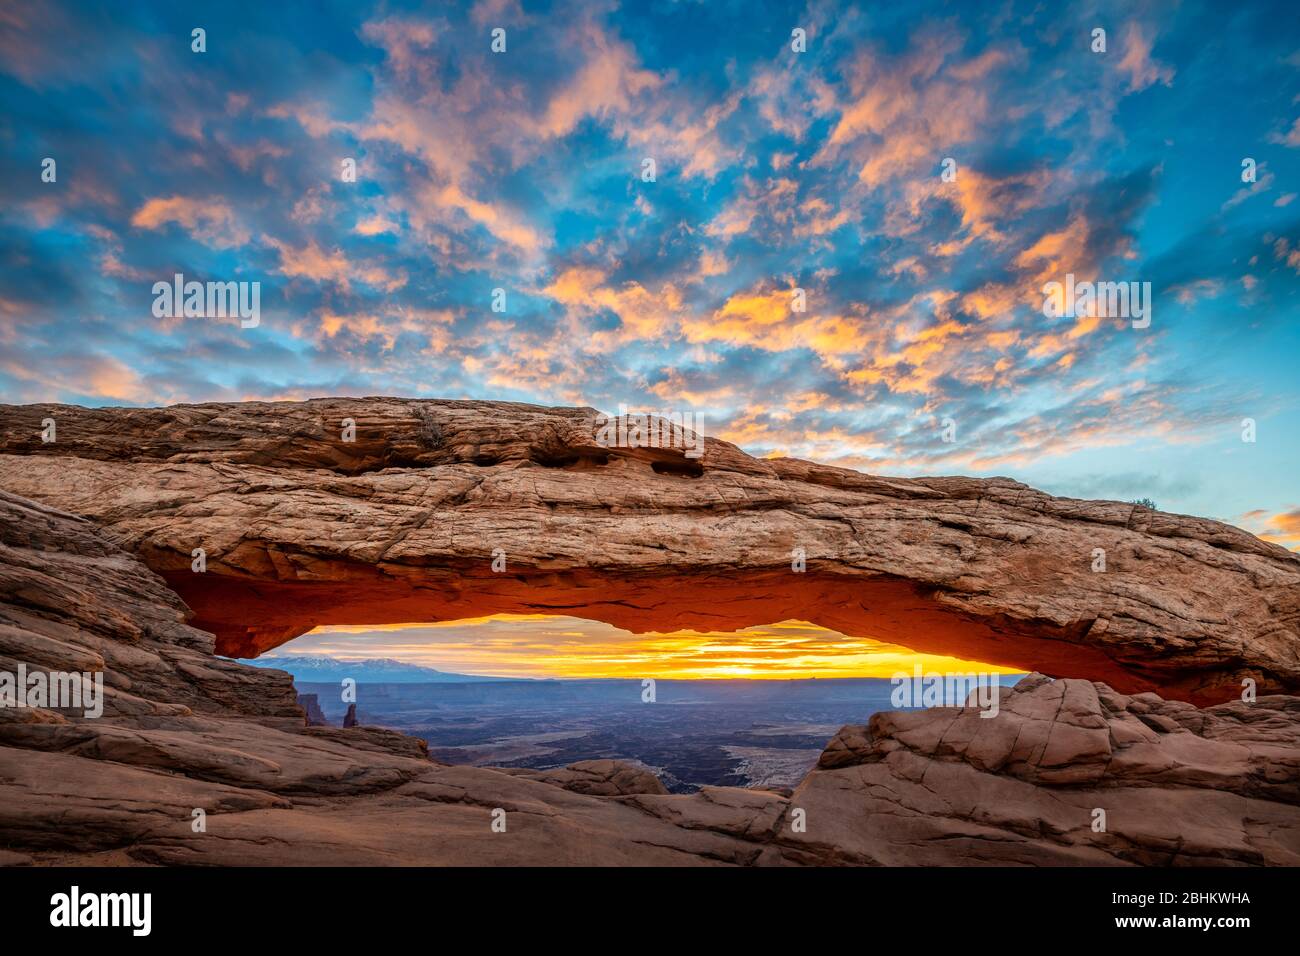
[1178, 785]
[600, 778]
[183, 731]
[301, 528]
[310, 705]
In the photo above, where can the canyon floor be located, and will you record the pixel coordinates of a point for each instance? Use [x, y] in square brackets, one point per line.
[1130, 744]
[730, 733]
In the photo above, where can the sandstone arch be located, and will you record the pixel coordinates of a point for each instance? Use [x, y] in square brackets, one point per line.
[302, 528]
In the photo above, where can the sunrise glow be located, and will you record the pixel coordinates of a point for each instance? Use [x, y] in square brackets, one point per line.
[506, 645]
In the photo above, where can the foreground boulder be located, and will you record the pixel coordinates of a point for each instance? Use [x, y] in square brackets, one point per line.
[600, 778]
[440, 510]
[1068, 772]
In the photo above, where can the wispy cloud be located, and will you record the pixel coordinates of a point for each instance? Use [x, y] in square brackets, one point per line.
[774, 171]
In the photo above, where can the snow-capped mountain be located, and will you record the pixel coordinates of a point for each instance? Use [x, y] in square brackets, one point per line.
[307, 668]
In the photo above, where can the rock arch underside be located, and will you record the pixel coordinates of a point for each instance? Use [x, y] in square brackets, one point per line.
[1143, 715]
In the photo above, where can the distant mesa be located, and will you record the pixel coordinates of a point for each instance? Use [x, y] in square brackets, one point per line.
[319, 669]
[310, 704]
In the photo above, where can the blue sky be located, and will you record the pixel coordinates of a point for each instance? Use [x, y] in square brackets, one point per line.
[775, 170]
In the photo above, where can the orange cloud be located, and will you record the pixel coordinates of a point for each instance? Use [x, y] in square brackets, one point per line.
[605, 84]
[323, 265]
[492, 218]
[1142, 71]
[211, 221]
[1281, 528]
[913, 109]
[374, 226]
[100, 376]
[432, 325]
[643, 314]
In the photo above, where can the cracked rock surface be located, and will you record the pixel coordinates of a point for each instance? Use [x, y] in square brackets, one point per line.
[301, 528]
[96, 534]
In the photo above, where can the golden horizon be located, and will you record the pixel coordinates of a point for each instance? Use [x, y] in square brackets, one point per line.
[561, 647]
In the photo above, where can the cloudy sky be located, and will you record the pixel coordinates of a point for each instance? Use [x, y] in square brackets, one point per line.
[775, 170]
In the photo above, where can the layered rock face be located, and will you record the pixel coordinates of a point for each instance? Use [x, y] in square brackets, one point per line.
[184, 732]
[1068, 772]
[1179, 785]
[301, 527]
